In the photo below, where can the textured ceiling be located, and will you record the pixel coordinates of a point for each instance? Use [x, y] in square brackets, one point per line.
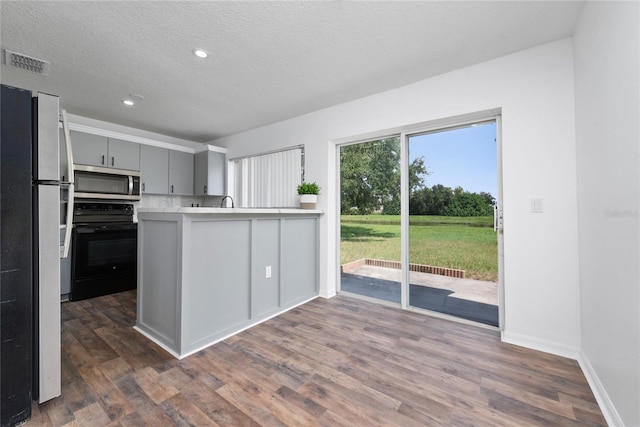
[268, 61]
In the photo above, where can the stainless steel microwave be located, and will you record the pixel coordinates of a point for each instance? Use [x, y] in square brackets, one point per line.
[95, 182]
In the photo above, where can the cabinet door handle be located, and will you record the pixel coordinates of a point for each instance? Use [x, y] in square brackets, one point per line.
[172, 188]
[143, 186]
[113, 161]
[102, 163]
[205, 189]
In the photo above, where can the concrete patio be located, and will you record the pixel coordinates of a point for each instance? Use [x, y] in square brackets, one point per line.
[466, 298]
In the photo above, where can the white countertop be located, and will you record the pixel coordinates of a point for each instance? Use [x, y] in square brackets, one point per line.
[208, 210]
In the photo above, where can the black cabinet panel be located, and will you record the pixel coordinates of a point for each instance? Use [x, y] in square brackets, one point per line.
[16, 356]
[16, 308]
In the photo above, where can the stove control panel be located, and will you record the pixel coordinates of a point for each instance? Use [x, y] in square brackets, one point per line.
[102, 212]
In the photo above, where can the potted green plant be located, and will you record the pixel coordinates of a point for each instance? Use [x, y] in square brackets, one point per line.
[308, 192]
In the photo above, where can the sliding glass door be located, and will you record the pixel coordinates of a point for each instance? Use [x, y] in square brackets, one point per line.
[453, 247]
[370, 219]
[420, 220]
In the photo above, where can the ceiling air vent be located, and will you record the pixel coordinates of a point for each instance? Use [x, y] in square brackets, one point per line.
[24, 62]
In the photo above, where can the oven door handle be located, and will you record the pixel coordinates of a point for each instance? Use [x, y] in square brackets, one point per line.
[105, 228]
[64, 251]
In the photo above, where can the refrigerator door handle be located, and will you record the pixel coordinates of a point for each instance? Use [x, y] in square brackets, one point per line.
[64, 253]
[67, 144]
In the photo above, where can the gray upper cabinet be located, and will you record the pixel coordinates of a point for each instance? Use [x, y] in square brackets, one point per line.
[163, 171]
[210, 174]
[96, 150]
[89, 149]
[166, 171]
[154, 169]
[123, 154]
[180, 173]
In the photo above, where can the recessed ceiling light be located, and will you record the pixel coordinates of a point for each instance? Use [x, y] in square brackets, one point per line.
[132, 99]
[200, 53]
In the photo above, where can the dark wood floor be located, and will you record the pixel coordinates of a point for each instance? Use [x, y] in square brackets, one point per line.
[337, 362]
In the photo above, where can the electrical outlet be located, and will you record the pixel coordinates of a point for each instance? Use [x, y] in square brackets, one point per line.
[267, 272]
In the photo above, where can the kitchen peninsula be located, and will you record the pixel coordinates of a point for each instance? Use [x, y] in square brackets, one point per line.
[207, 273]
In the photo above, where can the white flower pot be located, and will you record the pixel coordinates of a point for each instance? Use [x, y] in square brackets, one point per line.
[308, 201]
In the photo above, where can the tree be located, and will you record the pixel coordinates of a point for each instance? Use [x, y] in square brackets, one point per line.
[488, 198]
[417, 174]
[370, 177]
[468, 204]
[420, 202]
[370, 181]
[441, 200]
[368, 174]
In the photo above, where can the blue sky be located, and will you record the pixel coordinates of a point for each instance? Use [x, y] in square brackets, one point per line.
[464, 157]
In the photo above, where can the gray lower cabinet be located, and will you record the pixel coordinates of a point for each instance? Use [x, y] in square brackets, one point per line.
[97, 150]
[180, 173]
[154, 169]
[210, 174]
[203, 277]
[266, 295]
[219, 291]
[300, 258]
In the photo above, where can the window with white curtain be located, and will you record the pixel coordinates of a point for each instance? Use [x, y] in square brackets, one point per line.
[268, 180]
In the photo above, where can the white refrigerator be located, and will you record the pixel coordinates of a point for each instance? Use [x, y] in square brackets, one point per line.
[46, 252]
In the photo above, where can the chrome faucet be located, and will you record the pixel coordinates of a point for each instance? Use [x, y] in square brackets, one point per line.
[225, 198]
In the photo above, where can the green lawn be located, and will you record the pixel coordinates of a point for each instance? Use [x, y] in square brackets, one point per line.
[469, 244]
[476, 221]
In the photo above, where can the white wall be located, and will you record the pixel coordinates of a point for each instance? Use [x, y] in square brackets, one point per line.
[534, 88]
[608, 138]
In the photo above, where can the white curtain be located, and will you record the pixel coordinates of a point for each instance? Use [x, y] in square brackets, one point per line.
[267, 180]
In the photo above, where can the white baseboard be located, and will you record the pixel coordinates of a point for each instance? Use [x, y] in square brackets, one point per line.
[328, 295]
[244, 328]
[541, 345]
[600, 393]
[157, 341]
[221, 338]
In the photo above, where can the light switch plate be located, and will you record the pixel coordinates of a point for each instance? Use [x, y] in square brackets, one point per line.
[536, 205]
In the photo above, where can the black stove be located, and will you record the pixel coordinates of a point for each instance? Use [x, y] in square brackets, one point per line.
[105, 247]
